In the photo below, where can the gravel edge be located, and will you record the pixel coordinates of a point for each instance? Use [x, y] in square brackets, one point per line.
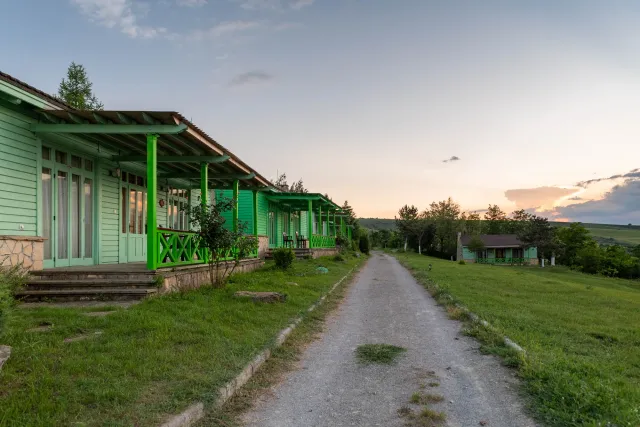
[195, 412]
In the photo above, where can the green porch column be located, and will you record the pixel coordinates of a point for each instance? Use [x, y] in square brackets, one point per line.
[204, 183]
[320, 228]
[342, 226]
[335, 224]
[310, 221]
[236, 193]
[328, 224]
[255, 213]
[152, 202]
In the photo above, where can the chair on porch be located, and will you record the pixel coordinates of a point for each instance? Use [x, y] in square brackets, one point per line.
[301, 242]
[287, 241]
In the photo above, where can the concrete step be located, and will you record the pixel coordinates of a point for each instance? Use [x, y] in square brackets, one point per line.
[85, 294]
[50, 284]
[91, 275]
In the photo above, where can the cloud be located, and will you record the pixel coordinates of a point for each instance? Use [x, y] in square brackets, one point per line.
[575, 198]
[223, 29]
[451, 159]
[299, 4]
[274, 4]
[117, 14]
[634, 173]
[287, 26]
[526, 198]
[191, 3]
[250, 78]
[620, 205]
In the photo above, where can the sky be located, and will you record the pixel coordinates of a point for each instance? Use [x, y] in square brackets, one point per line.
[528, 104]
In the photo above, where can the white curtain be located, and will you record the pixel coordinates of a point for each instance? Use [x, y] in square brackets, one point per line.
[76, 228]
[46, 211]
[88, 218]
[63, 214]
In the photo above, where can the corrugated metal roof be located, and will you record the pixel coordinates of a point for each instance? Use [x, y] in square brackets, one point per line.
[192, 141]
[494, 240]
[32, 90]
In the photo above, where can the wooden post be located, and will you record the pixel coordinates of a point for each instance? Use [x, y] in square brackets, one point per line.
[310, 221]
[152, 201]
[236, 193]
[204, 183]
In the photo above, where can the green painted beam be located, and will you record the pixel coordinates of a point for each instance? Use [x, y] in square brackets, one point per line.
[126, 119]
[108, 129]
[284, 197]
[77, 119]
[255, 213]
[173, 159]
[100, 119]
[150, 120]
[211, 177]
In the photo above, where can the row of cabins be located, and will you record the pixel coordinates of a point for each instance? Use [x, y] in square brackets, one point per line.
[106, 190]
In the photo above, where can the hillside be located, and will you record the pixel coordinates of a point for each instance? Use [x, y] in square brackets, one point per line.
[605, 234]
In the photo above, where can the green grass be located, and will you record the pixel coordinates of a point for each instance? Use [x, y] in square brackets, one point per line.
[153, 359]
[581, 334]
[378, 353]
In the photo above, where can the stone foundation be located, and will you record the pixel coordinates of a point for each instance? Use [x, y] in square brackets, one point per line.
[263, 246]
[193, 277]
[22, 250]
[319, 252]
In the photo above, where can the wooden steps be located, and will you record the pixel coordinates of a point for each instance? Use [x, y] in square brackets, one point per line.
[63, 286]
[300, 253]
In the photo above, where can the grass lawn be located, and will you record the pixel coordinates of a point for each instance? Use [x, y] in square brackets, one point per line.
[153, 359]
[581, 334]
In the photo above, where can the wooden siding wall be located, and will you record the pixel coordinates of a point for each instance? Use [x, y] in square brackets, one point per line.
[109, 221]
[263, 214]
[19, 177]
[245, 208]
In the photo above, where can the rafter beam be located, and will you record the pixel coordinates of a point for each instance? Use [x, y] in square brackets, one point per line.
[100, 119]
[173, 159]
[77, 119]
[108, 129]
[150, 120]
[211, 176]
[125, 119]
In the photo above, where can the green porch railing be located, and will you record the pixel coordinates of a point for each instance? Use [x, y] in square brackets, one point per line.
[320, 241]
[176, 248]
[513, 261]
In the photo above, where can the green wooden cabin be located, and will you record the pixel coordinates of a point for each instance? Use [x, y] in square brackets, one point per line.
[82, 188]
[504, 249]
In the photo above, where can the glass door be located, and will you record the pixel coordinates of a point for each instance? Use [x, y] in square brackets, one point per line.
[67, 208]
[133, 206]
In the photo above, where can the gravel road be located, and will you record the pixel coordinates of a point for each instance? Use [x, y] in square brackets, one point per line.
[386, 305]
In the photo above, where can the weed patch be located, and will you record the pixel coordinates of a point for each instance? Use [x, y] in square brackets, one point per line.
[378, 353]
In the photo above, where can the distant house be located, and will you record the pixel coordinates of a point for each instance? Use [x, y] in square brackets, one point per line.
[498, 249]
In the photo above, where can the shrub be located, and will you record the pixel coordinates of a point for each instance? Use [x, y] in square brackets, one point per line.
[338, 257]
[461, 262]
[364, 244]
[283, 257]
[11, 278]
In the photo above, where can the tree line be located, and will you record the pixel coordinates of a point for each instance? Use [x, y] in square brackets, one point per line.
[433, 231]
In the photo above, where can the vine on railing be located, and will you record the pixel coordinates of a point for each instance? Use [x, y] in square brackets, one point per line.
[502, 260]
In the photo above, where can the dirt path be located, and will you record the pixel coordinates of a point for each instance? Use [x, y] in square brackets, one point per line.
[386, 305]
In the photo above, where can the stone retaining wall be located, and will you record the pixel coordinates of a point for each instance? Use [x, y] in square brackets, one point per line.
[196, 276]
[22, 250]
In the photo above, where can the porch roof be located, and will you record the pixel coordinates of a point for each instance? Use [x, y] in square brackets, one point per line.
[182, 146]
[300, 201]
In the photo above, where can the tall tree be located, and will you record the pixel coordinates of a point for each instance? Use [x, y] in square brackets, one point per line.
[445, 215]
[540, 234]
[282, 185]
[407, 215]
[496, 219]
[473, 223]
[573, 239]
[76, 89]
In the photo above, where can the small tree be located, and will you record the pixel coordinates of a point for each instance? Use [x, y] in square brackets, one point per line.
[222, 244]
[476, 244]
[76, 89]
